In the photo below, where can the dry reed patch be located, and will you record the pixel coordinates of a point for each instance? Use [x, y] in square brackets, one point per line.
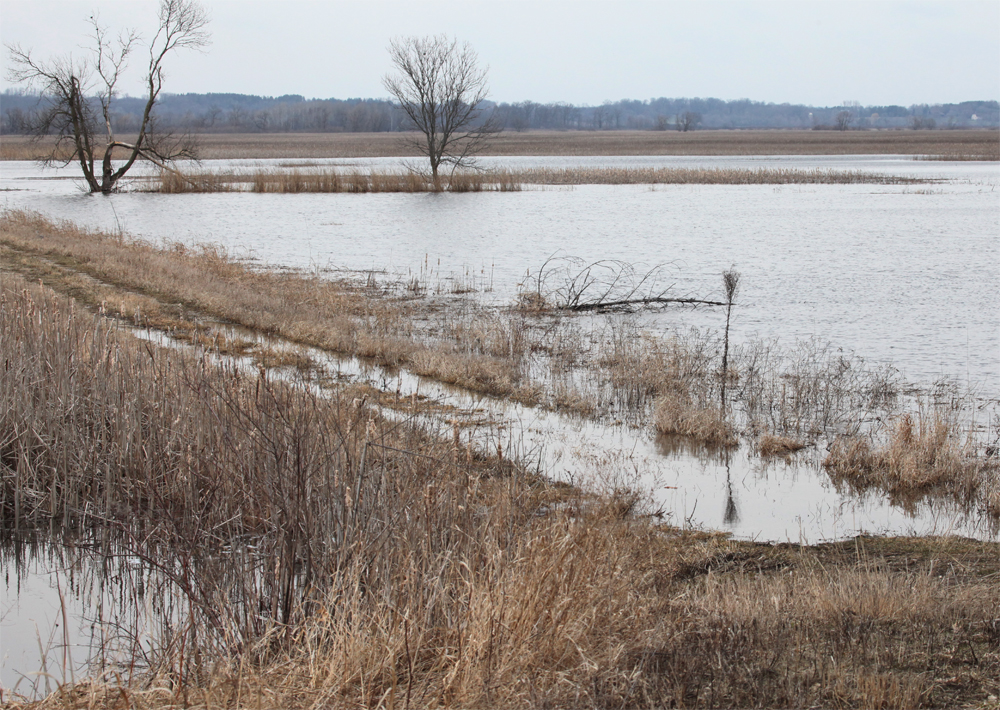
[677, 413]
[704, 176]
[770, 445]
[919, 458]
[296, 181]
[338, 316]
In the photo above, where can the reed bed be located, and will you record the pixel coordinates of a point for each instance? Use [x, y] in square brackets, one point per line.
[705, 176]
[174, 283]
[920, 456]
[298, 181]
[306, 146]
[324, 557]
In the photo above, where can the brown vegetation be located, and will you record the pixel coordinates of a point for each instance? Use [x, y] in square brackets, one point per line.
[532, 355]
[985, 143]
[918, 459]
[297, 181]
[330, 558]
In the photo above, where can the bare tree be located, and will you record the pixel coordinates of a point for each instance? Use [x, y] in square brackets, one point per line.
[688, 121]
[440, 87]
[843, 120]
[78, 95]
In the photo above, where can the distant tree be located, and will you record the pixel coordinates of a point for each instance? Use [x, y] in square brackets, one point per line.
[439, 86]
[843, 120]
[688, 121]
[78, 95]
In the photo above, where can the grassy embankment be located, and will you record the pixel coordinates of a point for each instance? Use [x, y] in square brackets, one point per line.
[780, 400]
[958, 145]
[324, 556]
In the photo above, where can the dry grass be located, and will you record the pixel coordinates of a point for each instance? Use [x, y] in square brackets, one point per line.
[304, 146]
[770, 445]
[916, 459]
[298, 181]
[335, 559]
[703, 176]
[173, 286]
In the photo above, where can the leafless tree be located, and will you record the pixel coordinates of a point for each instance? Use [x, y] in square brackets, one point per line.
[79, 93]
[843, 120]
[441, 89]
[688, 121]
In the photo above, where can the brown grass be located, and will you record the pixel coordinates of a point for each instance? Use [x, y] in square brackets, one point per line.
[676, 413]
[138, 280]
[334, 559]
[985, 143]
[770, 445]
[917, 459]
[297, 181]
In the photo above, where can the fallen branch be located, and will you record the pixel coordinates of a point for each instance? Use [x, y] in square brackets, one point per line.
[638, 302]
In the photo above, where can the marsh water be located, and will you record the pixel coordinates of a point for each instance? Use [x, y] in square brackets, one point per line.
[901, 275]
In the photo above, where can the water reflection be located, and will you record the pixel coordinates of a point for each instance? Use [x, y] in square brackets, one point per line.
[75, 606]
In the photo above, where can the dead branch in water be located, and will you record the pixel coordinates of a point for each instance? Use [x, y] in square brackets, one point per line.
[642, 302]
[604, 284]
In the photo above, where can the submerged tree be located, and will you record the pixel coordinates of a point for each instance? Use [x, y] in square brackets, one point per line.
[441, 89]
[77, 95]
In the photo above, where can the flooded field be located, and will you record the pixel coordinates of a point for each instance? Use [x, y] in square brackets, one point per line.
[896, 274]
[902, 276]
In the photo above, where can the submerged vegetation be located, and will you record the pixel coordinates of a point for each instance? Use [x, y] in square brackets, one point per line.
[532, 352]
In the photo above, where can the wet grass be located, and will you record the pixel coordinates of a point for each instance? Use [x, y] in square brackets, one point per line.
[312, 146]
[322, 556]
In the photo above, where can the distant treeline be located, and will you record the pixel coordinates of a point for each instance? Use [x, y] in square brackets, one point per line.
[239, 113]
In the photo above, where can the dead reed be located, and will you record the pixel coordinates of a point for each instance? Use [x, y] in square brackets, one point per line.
[921, 455]
[704, 176]
[323, 556]
[294, 181]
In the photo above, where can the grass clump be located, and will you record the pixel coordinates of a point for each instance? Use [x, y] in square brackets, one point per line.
[919, 457]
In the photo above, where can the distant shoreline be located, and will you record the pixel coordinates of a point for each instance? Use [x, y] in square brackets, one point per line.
[961, 144]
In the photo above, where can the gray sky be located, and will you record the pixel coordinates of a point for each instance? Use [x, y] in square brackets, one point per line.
[817, 52]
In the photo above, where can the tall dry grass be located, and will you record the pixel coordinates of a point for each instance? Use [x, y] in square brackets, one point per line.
[922, 455]
[339, 316]
[323, 556]
[271, 180]
[295, 181]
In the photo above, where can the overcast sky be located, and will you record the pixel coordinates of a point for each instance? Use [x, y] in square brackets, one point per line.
[817, 52]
